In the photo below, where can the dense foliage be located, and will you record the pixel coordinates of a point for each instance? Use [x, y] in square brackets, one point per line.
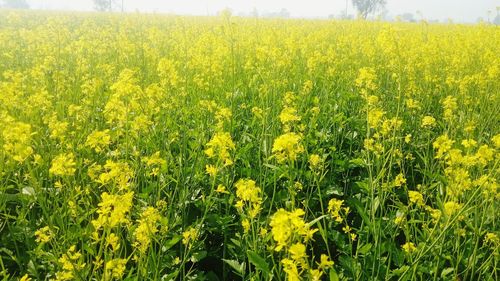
[147, 147]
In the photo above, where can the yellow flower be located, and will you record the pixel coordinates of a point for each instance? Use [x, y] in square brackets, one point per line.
[450, 208]
[371, 145]
[325, 262]
[189, 235]
[117, 173]
[113, 210]
[434, 213]
[155, 163]
[400, 218]
[287, 147]
[334, 207]
[443, 145]
[285, 224]
[146, 228]
[291, 269]
[400, 180]
[409, 247]
[416, 197]
[469, 143]
[298, 252]
[63, 165]
[71, 263]
[43, 235]
[408, 138]
[289, 115]
[257, 112]
[492, 239]
[57, 129]
[449, 105]
[374, 117]
[222, 114]
[248, 193]
[246, 225]
[315, 274]
[25, 278]
[496, 141]
[115, 268]
[315, 161]
[17, 141]
[176, 261]
[221, 189]
[413, 104]
[428, 121]
[114, 241]
[220, 145]
[484, 154]
[367, 79]
[211, 170]
[64, 276]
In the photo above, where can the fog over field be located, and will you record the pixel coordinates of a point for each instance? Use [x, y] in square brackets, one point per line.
[458, 10]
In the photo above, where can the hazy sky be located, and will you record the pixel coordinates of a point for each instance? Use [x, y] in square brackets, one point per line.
[458, 10]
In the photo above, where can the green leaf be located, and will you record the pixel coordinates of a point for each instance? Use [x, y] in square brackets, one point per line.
[333, 275]
[258, 261]
[365, 249]
[238, 267]
[311, 223]
[273, 167]
[170, 243]
[358, 162]
[198, 256]
[361, 211]
[446, 271]
[236, 242]
[170, 276]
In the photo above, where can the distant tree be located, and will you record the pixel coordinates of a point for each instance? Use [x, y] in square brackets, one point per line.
[102, 5]
[284, 13]
[366, 7]
[107, 5]
[408, 17]
[496, 21]
[15, 4]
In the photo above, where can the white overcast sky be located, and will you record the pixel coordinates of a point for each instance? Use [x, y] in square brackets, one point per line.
[458, 10]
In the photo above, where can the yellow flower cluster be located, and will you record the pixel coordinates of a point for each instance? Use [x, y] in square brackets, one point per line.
[287, 147]
[98, 140]
[113, 210]
[43, 235]
[155, 163]
[146, 228]
[219, 147]
[250, 197]
[57, 128]
[115, 173]
[17, 141]
[416, 198]
[115, 269]
[71, 263]
[409, 247]
[315, 162]
[442, 144]
[287, 225]
[189, 236]
[63, 165]
[334, 208]
[449, 106]
[288, 116]
[428, 121]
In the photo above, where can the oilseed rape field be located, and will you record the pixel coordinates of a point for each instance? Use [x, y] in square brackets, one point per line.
[156, 147]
